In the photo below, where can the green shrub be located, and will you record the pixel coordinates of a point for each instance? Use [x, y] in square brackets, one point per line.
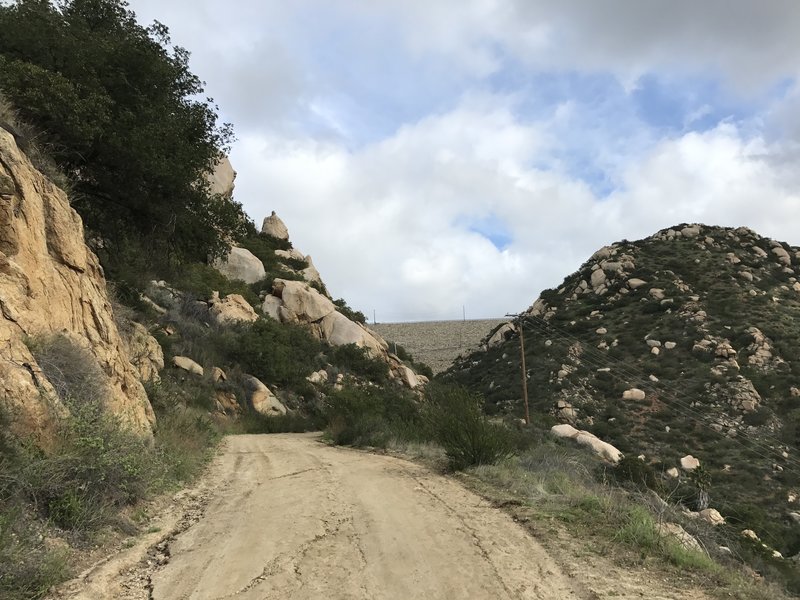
[96, 465]
[253, 422]
[202, 279]
[353, 315]
[639, 529]
[185, 438]
[356, 360]
[179, 389]
[28, 568]
[637, 472]
[454, 418]
[263, 247]
[372, 416]
[282, 354]
[297, 264]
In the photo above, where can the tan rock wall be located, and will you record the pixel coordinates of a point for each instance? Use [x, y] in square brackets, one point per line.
[50, 282]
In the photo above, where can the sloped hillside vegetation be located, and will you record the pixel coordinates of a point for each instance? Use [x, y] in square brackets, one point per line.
[118, 110]
[683, 344]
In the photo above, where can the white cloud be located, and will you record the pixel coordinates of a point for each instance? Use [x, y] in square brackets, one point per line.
[374, 130]
[752, 43]
[384, 223]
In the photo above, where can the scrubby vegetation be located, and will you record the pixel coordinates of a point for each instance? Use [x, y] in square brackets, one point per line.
[93, 468]
[592, 347]
[125, 119]
[448, 416]
[544, 481]
[121, 125]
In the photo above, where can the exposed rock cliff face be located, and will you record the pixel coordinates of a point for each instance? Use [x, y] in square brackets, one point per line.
[51, 283]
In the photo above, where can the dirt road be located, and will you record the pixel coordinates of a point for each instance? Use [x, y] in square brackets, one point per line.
[293, 518]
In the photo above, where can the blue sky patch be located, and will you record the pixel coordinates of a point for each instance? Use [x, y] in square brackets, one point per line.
[494, 229]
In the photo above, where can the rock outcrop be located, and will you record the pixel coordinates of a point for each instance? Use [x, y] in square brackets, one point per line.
[301, 302]
[275, 227]
[231, 309]
[51, 283]
[145, 353]
[240, 264]
[304, 303]
[221, 179]
[187, 364]
[262, 399]
[603, 449]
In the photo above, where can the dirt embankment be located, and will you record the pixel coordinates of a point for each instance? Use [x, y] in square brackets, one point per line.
[437, 343]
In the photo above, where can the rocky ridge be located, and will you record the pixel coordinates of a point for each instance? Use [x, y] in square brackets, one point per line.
[305, 301]
[683, 344]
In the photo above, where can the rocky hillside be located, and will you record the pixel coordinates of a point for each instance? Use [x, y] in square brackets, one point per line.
[51, 283]
[298, 296]
[53, 287]
[684, 345]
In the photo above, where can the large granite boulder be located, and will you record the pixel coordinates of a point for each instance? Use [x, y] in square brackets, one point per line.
[262, 399]
[338, 330]
[221, 179]
[240, 264]
[303, 301]
[603, 449]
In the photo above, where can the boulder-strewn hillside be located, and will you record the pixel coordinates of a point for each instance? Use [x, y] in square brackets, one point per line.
[683, 343]
[298, 296]
[51, 283]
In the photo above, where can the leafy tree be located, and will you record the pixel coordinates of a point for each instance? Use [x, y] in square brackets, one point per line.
[124, 117]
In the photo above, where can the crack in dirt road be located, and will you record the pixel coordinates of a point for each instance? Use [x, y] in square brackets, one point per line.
[285, 516]
[300, 519]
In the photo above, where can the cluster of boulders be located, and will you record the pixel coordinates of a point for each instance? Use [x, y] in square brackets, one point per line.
[760, 352]
[241, 264]
[608, 265]
[259, 396]
[739, 393]
[305, 303]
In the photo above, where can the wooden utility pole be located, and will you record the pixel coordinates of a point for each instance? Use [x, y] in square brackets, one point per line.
[524, 370]
[524, 373]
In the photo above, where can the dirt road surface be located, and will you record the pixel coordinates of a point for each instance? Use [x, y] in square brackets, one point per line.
[285, 516]
[297, 519]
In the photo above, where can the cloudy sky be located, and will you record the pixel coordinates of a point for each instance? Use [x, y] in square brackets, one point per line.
[436, 154]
